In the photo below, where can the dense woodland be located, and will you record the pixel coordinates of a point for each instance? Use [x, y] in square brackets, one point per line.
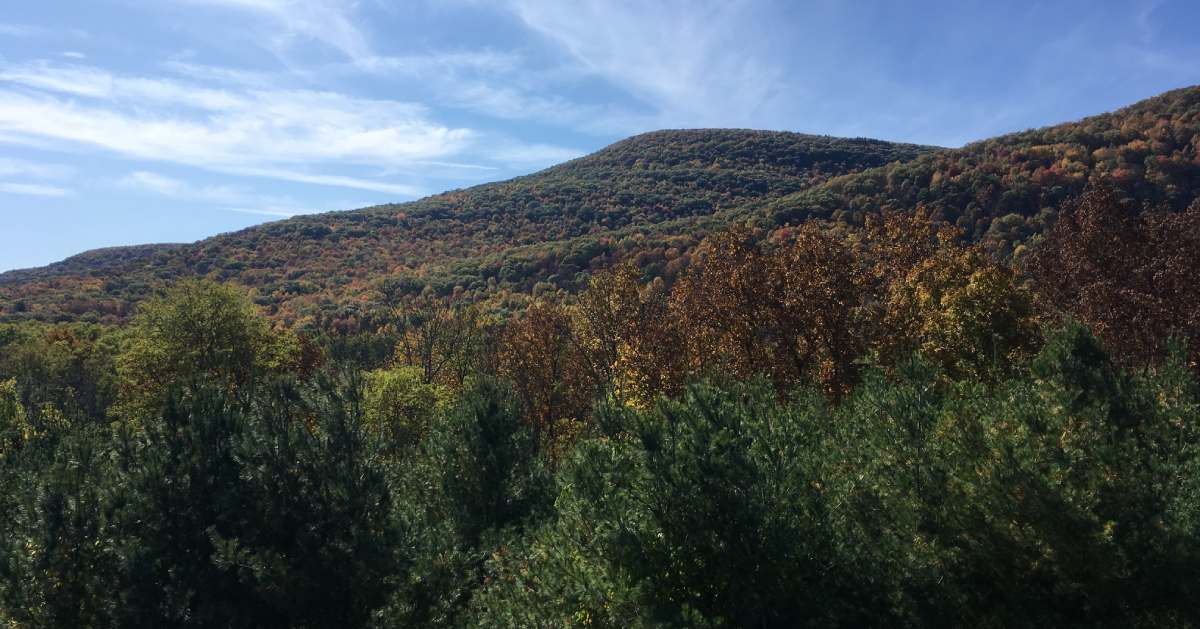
[887, 426]
[700, 378]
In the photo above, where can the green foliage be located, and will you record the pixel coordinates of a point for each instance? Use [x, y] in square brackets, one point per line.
[1060, 491]
[1059, 496]
[199, 332]
[57, 565]
[13, 424]
[399, 406]
[1034, 502]
[68, 366]
[487, 477]
[271, 512]
[473, 482]
[707, 511]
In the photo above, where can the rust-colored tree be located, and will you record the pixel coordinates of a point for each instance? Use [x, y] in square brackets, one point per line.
[651, 363]
[896, 242]
[791, 310]
[1130, 275]
[721, 308]
[822, 290]
[538, 355]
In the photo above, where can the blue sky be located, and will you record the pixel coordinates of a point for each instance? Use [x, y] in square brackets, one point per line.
[133, 121]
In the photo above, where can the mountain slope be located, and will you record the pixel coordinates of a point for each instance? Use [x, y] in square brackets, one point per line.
[320, 265]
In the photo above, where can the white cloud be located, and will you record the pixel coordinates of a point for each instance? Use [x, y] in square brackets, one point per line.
[26, 30]
[75, 80]
[424, 65]
[261, 211]
[33, 189]
[74, 54]
[266, 132]
[225, 76]
[499, 84]
[224, 121]
[330, 180]
[153, 182]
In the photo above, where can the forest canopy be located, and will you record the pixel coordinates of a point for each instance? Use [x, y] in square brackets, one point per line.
[891, 428]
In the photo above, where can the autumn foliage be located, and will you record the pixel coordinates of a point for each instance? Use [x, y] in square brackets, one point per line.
[1133, 276]
[800, 307]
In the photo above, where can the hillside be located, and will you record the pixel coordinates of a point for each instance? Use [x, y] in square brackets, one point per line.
[650, 198]
[1004, 190]
[316, 265]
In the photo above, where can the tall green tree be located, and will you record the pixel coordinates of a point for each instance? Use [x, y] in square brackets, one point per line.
[197, 332]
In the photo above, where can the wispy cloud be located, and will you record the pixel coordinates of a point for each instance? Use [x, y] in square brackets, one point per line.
[19, 30]
[525, 154]
[10, 167]
[329, 180]
[9, 29]
[220, 197]
[423, 65]
[34, 189]
[327, 21]
[223, 120]
[228, 77]
[689, 61]
[269, 132]
[501, 84]
[261, 211]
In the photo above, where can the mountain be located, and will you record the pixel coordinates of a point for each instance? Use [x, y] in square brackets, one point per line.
[550, 226]
[649, 198]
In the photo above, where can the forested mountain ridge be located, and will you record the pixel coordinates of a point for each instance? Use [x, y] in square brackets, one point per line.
[650, 198]
[1003, 190]
[321, 262]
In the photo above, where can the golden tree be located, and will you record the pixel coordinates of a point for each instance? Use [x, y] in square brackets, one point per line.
[961, 310]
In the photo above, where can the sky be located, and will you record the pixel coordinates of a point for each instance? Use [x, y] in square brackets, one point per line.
[136, 121]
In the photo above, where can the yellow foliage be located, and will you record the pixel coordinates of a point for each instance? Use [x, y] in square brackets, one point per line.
[959, 309]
